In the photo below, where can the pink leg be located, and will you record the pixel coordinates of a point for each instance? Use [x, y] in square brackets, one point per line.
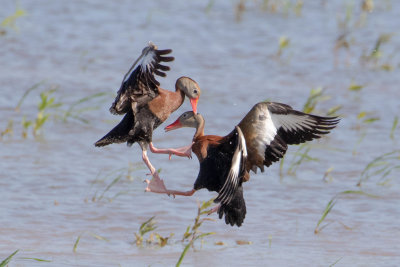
[156, 184]
[181, 193]
[181, 151]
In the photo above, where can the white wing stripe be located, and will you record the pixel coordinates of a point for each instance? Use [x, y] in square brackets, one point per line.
[148, 60]
[292, 122]
[231, 184]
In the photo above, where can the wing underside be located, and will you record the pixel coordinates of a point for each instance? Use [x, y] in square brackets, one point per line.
[270, 127]
[140, 85]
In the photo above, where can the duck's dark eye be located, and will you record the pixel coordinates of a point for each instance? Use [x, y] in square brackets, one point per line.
[195, 91]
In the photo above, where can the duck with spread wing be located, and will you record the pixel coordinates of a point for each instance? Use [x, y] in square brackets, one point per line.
[145, 105]
[261, 138]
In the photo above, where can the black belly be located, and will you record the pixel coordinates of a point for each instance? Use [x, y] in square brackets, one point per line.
[132, 128]
[215, 167]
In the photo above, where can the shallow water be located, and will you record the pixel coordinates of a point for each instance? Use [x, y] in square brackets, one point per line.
[48, 183]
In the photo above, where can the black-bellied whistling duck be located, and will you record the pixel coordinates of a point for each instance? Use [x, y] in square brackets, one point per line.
[262, 137]
[146, 105]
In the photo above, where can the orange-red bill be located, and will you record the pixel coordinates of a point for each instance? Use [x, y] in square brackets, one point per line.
[175, 125]
[193, 102]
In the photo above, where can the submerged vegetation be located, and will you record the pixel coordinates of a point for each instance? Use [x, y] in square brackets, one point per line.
[192, 232]
[49, 105]
[110, 185]
[332, 203]
[11, 21]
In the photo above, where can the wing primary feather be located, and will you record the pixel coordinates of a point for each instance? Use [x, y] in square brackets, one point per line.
[238, 164]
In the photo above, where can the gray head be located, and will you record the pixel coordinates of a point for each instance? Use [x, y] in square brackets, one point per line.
[187, 119]
[191, 89]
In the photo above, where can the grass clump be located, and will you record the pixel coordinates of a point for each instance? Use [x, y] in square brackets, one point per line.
[382, 166]
[11, 20]
[96, 236]
[192, 232]
[50, 106]
[115, 183]
[328, 208]
[302, 154]
[154, 238]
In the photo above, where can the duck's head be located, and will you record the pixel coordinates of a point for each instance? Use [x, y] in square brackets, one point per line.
[187, 119]
[191, 89]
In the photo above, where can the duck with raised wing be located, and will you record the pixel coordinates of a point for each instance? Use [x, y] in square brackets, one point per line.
[261, 138]
[146, 105]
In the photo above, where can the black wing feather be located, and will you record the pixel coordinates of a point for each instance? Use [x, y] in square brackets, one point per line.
[140, 84]
[271, 127]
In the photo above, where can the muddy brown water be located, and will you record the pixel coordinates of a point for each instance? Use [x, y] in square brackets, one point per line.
[47, 184]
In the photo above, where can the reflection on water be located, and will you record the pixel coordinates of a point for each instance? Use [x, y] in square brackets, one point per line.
[47, 185]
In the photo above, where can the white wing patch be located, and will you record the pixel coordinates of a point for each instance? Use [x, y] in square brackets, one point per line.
[293, 122]
[232, 181]
[265, 129]
[148, 61]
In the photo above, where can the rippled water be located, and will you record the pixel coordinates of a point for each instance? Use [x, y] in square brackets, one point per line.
[48, 183]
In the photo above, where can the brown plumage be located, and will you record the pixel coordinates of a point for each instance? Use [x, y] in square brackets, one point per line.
[260, 138]
[146, 105]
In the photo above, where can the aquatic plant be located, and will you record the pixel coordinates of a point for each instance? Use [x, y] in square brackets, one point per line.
[283, 44]
[302, 154]
[10, 21]
[50, 106]
[316, 96]
[96, 236]
[192, 232]
[8, 130]
[26, 93]
[394, 127]
[283, 6]
[46, 104]
[333, 264]
[355, 87]
[331, 204]
[118, 177]
[76, 109]
[374, 57]
[144, 228]
[5, 262]
[382, 166]
[154, 238]
[36, 259]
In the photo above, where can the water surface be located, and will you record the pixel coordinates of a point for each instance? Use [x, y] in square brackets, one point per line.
[47, 183]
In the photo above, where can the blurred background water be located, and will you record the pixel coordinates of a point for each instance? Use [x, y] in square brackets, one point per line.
[53, 185]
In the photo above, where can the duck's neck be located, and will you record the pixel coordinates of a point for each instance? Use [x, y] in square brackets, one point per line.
[180, 94]
[199, 127]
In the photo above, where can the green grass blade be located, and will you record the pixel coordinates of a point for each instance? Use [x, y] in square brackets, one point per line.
[328, 208]
[358, 192]
[333, 264]
[8, 259]
[27, 93]
[185, 250]
[394, 126]
[37, 259]
[76, 243]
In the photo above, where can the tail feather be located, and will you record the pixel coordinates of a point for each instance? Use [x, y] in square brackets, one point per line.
[235, 210]
[120, 133]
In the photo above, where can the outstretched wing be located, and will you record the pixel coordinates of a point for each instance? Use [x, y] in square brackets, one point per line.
[139, 85]
[237, 167]
[269, 127]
